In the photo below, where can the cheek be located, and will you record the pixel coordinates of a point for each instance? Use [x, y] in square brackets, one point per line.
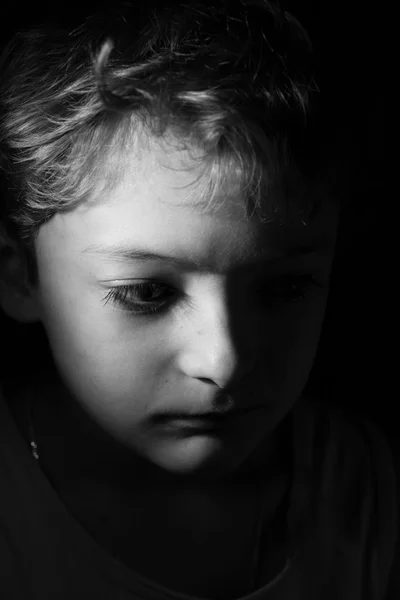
[290, 355]
[98, 353]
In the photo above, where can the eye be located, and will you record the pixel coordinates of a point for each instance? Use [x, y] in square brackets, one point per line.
[288, 288]
[141, 298]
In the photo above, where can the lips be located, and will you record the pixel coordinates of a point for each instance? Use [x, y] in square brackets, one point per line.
[204, 420]
[200, 424]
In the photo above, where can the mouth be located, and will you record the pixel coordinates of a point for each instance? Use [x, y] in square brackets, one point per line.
[202, 421]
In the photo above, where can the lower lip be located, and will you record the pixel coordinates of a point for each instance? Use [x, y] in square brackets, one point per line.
[196, 423]
[201, 424]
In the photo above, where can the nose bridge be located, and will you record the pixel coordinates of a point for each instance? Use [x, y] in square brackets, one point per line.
[219, 349]
[217, 330]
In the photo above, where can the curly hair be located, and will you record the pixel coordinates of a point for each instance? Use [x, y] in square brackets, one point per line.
[231, 82]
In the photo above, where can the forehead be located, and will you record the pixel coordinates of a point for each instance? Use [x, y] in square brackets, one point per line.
[163, 173]
[154, 204]
[183, 173]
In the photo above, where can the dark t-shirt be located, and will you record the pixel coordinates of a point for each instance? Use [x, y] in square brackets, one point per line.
[342, 519]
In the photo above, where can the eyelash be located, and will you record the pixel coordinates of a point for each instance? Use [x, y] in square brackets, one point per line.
[118, 296]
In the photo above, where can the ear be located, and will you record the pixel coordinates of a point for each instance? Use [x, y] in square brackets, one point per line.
[19, 298]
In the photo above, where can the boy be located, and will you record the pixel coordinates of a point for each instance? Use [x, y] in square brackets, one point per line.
[168, 223]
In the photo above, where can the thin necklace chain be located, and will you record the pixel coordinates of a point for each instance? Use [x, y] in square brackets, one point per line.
[255, 563]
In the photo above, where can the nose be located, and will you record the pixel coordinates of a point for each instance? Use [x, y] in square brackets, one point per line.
[218, 349]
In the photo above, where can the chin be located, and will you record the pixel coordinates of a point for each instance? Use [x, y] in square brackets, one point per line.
[199, 457]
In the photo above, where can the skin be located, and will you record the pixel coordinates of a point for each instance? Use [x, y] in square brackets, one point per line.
[227, 336]
[223, 331]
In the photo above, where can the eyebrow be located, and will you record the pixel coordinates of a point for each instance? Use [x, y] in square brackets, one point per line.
[131, 254]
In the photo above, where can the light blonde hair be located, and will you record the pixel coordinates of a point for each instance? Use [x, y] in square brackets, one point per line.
[232, 80]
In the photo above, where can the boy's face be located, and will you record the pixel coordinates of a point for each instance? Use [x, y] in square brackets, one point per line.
[225, 314]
